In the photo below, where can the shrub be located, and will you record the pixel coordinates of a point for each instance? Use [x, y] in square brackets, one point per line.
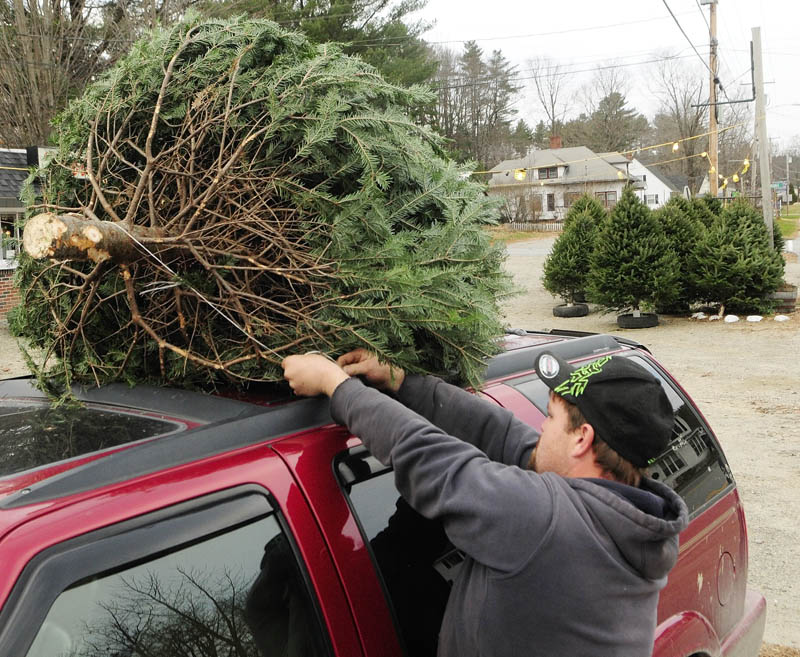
[566, 268]
[586, 204]
[632, 262]
[734, 264]
[683, 231]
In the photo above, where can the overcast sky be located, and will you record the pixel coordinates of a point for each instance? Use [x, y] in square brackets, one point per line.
[587, 33]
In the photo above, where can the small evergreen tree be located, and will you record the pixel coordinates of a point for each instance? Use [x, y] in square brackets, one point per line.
[703, 211]
[777, 238]
[713, 204]
[586, 204]
[632, 263]
[683, 231]
[566, 268]
[734, 264]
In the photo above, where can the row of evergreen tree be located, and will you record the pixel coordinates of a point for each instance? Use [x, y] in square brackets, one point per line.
[688, 252]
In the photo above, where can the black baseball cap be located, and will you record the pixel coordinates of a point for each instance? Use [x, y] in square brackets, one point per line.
[624, 403]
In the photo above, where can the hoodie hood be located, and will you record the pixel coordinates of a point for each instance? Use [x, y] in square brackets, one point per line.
[643, 523]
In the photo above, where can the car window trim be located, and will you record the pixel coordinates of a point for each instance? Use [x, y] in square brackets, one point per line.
[66, 564]
[346, 475]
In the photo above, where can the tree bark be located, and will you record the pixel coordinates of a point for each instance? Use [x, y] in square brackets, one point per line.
[73, 237]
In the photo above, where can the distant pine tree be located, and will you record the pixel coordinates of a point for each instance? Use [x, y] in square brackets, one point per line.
[632, 263]
[566, 268]
[734, 264]
[586, 204]
[684, 232]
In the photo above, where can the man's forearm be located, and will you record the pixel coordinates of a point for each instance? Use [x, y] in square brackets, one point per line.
[491, 428]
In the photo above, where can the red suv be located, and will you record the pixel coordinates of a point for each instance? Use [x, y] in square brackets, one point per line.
[163, 523]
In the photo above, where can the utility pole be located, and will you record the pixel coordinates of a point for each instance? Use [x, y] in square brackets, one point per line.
[763, 141]
[713, 137]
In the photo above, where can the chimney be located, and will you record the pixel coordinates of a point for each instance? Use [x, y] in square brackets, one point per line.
[555, 142]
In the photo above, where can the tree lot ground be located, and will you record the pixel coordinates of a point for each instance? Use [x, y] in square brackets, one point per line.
[743, 379]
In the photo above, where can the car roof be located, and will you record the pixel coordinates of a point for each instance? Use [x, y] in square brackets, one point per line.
[190, 426]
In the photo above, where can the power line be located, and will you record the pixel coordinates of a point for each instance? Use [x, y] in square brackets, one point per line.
[590, 28]
[612, 63]
[680, 27]
[570, 71]
[703, 14]
[384, 40]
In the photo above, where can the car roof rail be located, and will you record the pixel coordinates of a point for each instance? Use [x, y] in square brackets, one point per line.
[523, 359]
[177, 449]
[580, 334]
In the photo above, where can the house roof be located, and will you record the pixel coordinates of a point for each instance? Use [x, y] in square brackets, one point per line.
[614, 158]
[13, 171]
[677, 180]
[582, 165]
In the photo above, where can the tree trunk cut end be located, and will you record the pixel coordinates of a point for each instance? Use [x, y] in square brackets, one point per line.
[73, 237]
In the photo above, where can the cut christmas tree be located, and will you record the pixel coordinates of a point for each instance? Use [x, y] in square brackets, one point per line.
[734, 264]
[632, 264]
[566, 268]
[230, 194]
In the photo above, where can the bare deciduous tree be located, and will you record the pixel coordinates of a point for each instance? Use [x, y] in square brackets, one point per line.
[50, 49]
[550, 83]
[680, 89]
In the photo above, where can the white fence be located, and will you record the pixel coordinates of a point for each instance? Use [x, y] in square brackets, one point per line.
[540, 226]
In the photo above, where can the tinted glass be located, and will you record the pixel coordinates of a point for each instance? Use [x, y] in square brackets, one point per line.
[692, 465]
[412, 554]
[240, 593]
[34, 434]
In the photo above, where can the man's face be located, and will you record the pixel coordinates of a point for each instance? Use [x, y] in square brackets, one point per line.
[551, 452]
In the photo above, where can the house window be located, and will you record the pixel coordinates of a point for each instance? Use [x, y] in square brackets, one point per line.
[9, 234]
[570, 198]
[651, 199]
[608, 199]
[644, 177]
[548, 172]
[551, 202]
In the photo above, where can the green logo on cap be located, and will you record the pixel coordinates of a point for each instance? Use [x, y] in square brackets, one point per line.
[577, 381]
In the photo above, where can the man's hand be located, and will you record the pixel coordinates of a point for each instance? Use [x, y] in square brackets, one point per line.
[380, 375]
[312, 374]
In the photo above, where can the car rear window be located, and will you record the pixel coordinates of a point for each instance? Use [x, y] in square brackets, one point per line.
[34, 434]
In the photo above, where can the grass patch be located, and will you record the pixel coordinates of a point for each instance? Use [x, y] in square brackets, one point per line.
[505, 235]
[788, 223]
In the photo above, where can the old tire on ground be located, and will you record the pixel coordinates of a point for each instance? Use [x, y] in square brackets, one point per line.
[575, 310]
[645, 320]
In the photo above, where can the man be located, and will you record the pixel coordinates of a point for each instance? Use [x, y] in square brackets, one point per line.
[568, 543]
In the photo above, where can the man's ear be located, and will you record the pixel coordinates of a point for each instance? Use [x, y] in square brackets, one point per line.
[582, 440]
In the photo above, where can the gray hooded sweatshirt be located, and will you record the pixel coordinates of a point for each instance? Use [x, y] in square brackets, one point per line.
[555, 566]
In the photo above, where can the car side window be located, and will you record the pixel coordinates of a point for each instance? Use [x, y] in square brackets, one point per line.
[692, 465]
[236, 592]
[416, 562]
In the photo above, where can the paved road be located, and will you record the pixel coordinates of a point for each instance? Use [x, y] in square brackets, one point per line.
[538, 247]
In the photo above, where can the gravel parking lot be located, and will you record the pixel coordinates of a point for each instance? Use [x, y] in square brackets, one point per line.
[745, 379]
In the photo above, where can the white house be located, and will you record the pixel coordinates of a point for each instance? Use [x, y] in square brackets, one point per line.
[657, 187]
[543, 184]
